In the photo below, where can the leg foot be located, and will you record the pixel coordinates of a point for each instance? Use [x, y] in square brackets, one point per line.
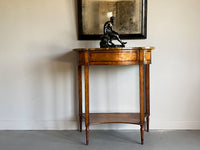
[80, 123]
[87, 135]
[147, 124]
[142, 134]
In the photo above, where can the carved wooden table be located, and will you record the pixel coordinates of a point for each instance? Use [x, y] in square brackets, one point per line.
[115, 56]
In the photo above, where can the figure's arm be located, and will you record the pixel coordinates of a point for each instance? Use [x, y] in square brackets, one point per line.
[105, 27]
[110, 26]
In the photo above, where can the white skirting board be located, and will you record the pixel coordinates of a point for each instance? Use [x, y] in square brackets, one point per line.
[73, 125]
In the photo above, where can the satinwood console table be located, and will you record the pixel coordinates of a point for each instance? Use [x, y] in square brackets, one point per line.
[115, 56]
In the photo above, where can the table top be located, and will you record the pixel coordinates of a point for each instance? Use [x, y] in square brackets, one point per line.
[115, 48]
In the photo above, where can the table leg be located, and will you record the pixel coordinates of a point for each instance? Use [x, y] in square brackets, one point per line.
[87, 103]
[142, 102]
[147, 96]
[80, 95]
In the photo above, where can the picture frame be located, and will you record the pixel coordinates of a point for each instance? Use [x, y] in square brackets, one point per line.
[130, 18]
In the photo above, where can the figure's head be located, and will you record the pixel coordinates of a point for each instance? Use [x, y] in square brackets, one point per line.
[112, 19]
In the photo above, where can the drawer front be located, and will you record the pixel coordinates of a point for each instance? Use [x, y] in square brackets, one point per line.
[114, 58]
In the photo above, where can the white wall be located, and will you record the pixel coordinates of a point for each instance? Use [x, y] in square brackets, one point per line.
[38, 67]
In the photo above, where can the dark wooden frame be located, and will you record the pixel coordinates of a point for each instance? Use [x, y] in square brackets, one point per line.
[142, 35]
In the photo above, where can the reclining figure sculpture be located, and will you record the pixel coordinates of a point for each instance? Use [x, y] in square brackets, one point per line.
[109, 35]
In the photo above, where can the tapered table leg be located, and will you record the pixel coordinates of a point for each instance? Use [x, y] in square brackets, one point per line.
[147, 95]
[87, 103]
[80, 95]
[142, 102]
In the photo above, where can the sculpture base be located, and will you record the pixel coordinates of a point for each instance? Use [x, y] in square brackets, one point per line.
[111, 46]
[119, 45]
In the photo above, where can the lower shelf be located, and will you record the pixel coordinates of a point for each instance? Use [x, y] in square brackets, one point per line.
[101, 118]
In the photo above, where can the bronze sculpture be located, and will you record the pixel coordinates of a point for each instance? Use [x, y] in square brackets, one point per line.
[109, 35]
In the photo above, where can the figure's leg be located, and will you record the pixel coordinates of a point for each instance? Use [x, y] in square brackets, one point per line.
[110, 42]
[117, 36]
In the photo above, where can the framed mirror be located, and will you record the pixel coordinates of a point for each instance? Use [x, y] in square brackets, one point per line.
[130, 18]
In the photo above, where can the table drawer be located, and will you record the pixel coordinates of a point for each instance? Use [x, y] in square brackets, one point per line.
[114, 57]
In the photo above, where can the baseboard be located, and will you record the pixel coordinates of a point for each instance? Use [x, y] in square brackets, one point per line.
[38, 125]
[177, 125]
[73, 125]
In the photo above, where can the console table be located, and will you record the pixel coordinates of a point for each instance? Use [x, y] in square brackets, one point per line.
[115, 56]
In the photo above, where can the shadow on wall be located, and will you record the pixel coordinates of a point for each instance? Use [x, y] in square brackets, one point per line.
[53, 89]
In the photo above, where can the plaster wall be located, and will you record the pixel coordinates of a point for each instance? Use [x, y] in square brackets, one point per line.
[38, 67]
